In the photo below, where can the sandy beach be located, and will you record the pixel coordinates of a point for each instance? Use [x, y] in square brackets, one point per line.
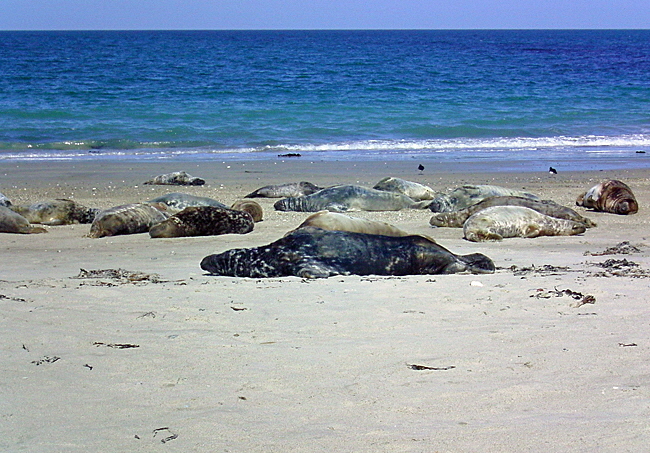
[164, 357]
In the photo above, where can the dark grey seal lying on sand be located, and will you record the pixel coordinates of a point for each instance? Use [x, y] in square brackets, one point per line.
[467, 195]
[612, 196]
[498, 222]
[203, 221]
[456, 219]
[292, 189]
[12, 222]
[316, 253]
[179, 178]
[126, 219]
[57, 212]
[349, 198]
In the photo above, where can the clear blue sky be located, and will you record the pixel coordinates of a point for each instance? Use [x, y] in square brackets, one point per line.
[320, 14]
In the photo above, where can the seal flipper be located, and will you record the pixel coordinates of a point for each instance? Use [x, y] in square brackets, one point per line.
[476, 263]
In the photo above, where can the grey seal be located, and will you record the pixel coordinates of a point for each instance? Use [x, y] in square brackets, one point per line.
[465, 196]
[611, 196]
[203, 221]
[4, 201]
[411, 189]
[316, 253]
[250, 206]
[335, 221]
[498, 222]
[456, 219]
[12, 222]
[57, 212]
[292, 189]
[178, 178]
[349, 198]
[176, 201]
[126, 219]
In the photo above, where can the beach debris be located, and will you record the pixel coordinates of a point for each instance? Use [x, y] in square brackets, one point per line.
[178, 178]
[580, 298]
[15, 299]
[433, 368]
[116, 345]
[627, 345]
[46, 359]
[544, 270]
[169, 434]
[622, 248]
[121, 275]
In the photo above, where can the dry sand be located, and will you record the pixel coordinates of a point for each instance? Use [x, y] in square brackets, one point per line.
[176, 360]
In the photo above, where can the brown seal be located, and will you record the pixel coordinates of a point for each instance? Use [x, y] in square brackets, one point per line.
[57, 212]
[250, 206]
[612, 196]
[12, 222]
[203, 221]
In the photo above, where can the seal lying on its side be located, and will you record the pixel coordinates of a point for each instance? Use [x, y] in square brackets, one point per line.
[253, 208]
[456, 219]
[411, 189]
[292, 189]
[465, 196]
[316, 253]
[12, 222]
[335, 221]
[125, 219]
[57, 212]
[203, 221]
[176, 202]
[178, 178]
[610, 196]
[349, 198]
[498, 222]
[4, 201]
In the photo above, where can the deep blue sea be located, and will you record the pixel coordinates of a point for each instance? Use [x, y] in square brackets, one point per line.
[551, 96]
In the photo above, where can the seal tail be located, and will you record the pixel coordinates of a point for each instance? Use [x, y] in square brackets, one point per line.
[477, 263]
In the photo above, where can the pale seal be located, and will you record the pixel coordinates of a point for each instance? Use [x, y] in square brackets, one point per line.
[316, 253]
[465, 196]
[253, 208]
[176, 202]
[203, 221]
[57, 212]
[411, 189]
[4, 201]
[126, 219]
[349, 198]
[292, 189]
[335, 221]
[12, 222]
[611, 196]
[178, 178]
[498, 222]
[456, 219]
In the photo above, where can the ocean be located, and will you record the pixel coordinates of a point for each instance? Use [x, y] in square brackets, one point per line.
[579, 98]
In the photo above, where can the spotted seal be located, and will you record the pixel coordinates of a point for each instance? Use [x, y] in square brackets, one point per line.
[335, 221]
[176, 201]
[4, 201]
[292, 189]
[253, 208]
[498, 222]
[611, 196]
[411, 189]
[349, 198]
[465, 196]
[203, 221]
[178, 178]
[12, 222]
[316, 253]
[126, 219]
[60, 211]
[456, 219]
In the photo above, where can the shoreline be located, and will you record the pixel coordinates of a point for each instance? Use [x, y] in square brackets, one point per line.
[507, 362]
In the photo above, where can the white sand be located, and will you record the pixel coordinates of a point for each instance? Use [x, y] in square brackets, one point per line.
[285, 365]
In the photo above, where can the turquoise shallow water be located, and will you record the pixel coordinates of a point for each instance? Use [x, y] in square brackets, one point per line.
[549, 96]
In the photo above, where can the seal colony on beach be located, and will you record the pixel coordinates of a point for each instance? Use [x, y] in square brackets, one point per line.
[316, 253]
[12, 222]
[611, 196]
[498, 222]
[179, 178]
[344, 198]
